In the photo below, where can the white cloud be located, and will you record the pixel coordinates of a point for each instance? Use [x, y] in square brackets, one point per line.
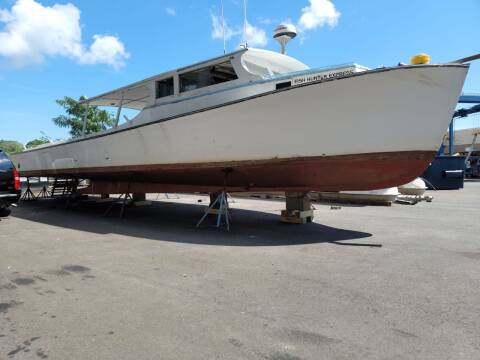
[254, 36]
[105, 49]
[318, 14]
[265, 20]
[171, 11]
[33, 32]
[217, 29]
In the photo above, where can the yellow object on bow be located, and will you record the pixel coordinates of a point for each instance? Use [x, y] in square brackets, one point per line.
[420, 59]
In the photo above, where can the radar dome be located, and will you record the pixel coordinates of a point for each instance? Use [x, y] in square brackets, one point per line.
[283, 34]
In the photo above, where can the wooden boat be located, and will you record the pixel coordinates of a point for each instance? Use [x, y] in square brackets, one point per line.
[256, 120]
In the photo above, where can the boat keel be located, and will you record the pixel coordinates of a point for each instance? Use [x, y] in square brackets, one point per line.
[330, 173]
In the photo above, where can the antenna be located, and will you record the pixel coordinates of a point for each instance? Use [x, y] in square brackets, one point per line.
[245, 22]
[283, 34]
[223, 29]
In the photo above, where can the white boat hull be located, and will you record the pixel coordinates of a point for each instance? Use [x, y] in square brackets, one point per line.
[373, 130]
[381, 196]
[416, 187]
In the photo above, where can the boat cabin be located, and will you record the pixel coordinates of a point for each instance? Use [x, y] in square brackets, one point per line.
[228, 78]
[229, 71]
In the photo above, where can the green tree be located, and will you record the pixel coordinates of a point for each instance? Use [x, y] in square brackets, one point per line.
[11, 147]
[37, 142]
[97, 120]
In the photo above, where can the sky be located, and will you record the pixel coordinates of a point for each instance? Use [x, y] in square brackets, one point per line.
[50, 49]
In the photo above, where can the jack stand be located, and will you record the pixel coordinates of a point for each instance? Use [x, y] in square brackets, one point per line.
[220, 210]
[70, 192]
[28, 195]
[44, 193]
[219, 205]
[126, 197]
[299, 209]
[215, 209]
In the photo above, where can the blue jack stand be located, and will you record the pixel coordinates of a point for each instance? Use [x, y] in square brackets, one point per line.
[219, 207]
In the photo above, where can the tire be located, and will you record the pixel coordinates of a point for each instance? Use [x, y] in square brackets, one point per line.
[4, 212]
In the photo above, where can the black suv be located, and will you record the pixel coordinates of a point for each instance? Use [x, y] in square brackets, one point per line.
[10, 188]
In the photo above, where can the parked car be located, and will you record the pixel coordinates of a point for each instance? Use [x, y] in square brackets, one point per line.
[10, 187]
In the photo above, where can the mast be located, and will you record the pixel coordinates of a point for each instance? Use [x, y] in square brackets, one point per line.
[245, 23]
[223, 29]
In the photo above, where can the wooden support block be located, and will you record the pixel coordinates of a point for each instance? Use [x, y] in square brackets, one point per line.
[296, 216]
[299, 208]
[298, 201]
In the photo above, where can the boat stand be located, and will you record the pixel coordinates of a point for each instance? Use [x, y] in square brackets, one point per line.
[125, 199]
[69, 190]
[220, 208]
[44, 193]
[28, 195]
[299, 208]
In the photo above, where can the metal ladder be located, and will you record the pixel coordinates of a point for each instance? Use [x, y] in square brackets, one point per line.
[63, 187]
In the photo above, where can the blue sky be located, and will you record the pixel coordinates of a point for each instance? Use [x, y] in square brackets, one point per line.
[133, 41]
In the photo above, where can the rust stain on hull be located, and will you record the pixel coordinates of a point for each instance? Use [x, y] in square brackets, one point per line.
[328, 173]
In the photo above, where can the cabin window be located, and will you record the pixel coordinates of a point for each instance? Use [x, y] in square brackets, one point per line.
[211, 75]
[165, 88]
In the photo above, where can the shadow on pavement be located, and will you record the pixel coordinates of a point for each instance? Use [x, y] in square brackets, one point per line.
[174, 222]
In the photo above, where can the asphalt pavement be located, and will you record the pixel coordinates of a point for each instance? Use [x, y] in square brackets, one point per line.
[361, 282]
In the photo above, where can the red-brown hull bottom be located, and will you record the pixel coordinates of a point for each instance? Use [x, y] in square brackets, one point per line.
[328, 173]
